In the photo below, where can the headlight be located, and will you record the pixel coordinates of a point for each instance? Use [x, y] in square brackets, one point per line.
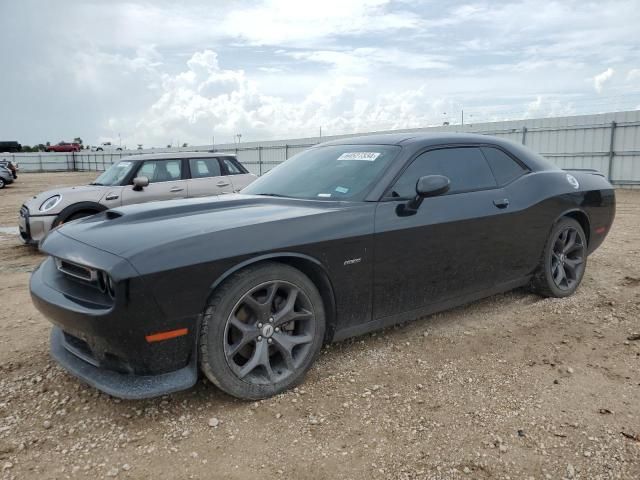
[50, 203]
[106, 284]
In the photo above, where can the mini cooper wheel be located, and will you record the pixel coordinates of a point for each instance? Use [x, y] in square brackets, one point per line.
[564, 260]
[262, 330]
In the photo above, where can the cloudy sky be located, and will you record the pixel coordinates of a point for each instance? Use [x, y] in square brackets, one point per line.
[162, 72]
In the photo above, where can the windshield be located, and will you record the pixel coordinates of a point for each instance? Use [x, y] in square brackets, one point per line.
[336, 172]
[115, 174]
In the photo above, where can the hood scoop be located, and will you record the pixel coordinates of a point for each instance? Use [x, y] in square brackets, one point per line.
[112, 214]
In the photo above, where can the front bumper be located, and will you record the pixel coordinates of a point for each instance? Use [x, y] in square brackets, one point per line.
[34, 228]
[103, 341]
[126, 386]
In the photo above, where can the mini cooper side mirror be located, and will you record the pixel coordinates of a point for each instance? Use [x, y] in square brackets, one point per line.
[139, 183]
[429, 186]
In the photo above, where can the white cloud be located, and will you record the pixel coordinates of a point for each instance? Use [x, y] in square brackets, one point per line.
[601, 79]
[633, 75]
[287, 22]
[543, 107]
[362, 60]
[205, 99]
[274, 68]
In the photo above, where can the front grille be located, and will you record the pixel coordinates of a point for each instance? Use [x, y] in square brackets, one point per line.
[76, 271]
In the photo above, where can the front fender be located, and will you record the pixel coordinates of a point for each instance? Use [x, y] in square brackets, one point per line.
[77, 207]
[261, 258]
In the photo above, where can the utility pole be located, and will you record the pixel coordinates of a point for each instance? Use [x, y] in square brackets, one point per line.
[462, 117]
[213, 143]
[320, 131]
[239, 138]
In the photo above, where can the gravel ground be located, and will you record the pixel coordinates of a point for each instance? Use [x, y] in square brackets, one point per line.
[514, 386]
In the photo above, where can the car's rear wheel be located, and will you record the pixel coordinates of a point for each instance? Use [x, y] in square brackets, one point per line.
[262, 330]
[564, 260]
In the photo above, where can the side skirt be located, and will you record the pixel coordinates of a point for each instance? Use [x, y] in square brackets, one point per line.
[428, 310]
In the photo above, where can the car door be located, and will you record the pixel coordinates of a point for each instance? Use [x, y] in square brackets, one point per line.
[446, 248]
[206, 178]
[238, 175]
[166, 182]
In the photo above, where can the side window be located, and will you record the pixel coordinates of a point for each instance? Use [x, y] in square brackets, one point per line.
[504, 168]
[204, 167]
[465, 167]
[161, 170]
[231, 167]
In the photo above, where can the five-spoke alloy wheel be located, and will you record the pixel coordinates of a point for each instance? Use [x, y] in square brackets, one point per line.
[564, 260]
[269, 333]
[262, 330]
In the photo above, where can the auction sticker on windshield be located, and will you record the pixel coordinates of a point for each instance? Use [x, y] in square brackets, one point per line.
[366, 156]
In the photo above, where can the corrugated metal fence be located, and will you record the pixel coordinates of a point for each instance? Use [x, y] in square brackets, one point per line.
[607, 142]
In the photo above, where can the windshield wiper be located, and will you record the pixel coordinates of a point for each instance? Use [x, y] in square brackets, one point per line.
[96, 183]
[273, 195]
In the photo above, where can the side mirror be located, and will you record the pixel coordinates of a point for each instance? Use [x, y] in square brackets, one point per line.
[429, 186]
[139, 183]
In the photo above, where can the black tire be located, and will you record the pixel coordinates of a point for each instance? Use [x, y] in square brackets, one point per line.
[243, 300]
[2, 183]
[75, 216]
[98, 149]
[564, 260]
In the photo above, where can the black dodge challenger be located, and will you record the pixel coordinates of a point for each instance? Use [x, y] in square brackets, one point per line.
[344, 238]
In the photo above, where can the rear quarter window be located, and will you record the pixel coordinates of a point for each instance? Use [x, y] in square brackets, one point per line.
[504, 168]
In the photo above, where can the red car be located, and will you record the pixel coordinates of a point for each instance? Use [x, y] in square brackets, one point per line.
[64, 147]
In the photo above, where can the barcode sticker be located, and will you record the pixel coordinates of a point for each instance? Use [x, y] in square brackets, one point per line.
[362, 156]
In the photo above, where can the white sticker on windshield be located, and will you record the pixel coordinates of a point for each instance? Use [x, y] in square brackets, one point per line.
[342, 189]
[366, 156]
[324, 195]
[123, 164]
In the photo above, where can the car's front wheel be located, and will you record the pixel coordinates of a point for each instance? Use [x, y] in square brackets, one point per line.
[2, 183]
[262, 330]
[564, 260]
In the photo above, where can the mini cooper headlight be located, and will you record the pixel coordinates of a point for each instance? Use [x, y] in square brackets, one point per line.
[50, 203]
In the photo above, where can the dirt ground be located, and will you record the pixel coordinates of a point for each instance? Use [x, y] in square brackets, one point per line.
[514, 386]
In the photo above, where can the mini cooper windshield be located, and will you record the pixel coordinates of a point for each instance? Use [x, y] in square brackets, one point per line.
[115, 174]
[336, 172]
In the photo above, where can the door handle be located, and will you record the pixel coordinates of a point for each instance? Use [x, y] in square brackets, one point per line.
[501, 203]
[222, 183]
[176, 189]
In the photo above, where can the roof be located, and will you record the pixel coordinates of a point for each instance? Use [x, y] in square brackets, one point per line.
[171, 155]
[410, 138]
[417, 141]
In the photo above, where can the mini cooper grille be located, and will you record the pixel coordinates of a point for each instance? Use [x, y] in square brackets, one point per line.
[76, 271]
